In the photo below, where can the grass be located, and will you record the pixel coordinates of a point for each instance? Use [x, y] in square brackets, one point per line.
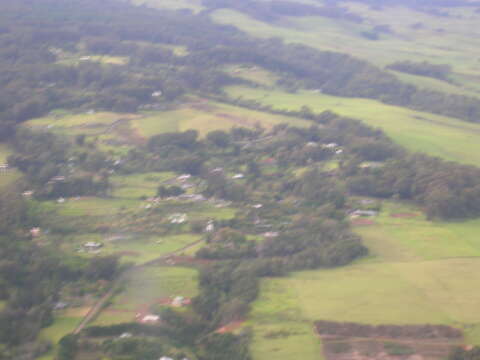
[144, 287]
[460, 36]
[62, 326]
[254, 74]
[138, 185]
[195, 5]
[418, 272]
[206, 116]
[94, 206]
[435, 135]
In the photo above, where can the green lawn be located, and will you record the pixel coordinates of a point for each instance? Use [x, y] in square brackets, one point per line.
[418, 272]
[62, 326]
[144, 287]
[418, 131]
[95, 206]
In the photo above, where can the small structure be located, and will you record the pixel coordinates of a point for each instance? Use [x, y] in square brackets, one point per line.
[92, 245]
[3, 167]
[178, 301]
[157, 93]
[339, 151]
[177, 218]
[330, 146]
[238, 176]
[210, 226]
[165, 358]
[60, 200]
[217, 170]
[257, 206]
[363, 213]
[271, 234]
[184, 177]
[85, 58]
[125, 335]
[312, 144]
[149, 319]
[35, 232]
[27, 193]
[58, 178]
[60, 305]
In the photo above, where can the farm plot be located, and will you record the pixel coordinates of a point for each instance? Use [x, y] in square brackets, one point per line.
[146, 287]
[419, 272]
[435, 135]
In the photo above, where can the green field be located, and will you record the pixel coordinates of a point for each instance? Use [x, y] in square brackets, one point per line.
[418, 131]
[195, 5]
[206, 116]
[459, 34]
[144, 287]
[418, 272]
[138, 185]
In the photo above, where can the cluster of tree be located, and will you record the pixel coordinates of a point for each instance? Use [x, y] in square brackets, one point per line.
[465, 354]
[55, 169]
[446, 190]
[440, 71]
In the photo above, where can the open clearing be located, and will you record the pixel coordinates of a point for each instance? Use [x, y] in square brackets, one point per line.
[435, 135]
[418, 272]
[145, 287]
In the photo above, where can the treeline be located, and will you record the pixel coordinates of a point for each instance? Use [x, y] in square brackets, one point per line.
[440, 71]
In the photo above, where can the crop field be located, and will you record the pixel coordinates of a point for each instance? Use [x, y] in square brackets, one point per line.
[418, 272]
[459, 35]
[254, 74]
[146, 287]
[418, 131]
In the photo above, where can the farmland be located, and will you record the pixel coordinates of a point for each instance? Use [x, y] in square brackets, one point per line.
[418, 272]
[432, 134]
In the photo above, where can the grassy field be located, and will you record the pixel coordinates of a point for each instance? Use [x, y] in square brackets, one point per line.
[254, 74]
[64, 324]
[459, 34]
[144, 288]
[206, 116]
[418, 272]
[195, 5]
[137, 185]
[432, 134]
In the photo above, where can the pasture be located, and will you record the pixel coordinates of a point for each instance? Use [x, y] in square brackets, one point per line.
[435, 135]
[418, 272]
[415, 36]
[146, 287]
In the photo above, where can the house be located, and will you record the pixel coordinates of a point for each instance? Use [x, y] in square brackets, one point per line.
[60, 200]
[165, 358]
[238, 176]
[216, 170]
[257, 206]
[330, 146]
[58, 178]
[177, 218]
[3, 167]
[125, 335]
[150, 318]
[35, 232]
[85, 58]
[92, 245]
[363, 213]
[60, 305]
[339, 151]
[210, 226]
[28, 193]
[312, 144]
[184, 177]
[157, 93]
[178, 301]
[271, 234]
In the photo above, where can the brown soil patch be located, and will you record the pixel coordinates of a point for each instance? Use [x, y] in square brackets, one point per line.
[362, 222]
[404, 215]
[231, 327]
[351, 341]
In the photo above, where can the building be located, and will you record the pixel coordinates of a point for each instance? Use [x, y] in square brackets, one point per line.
[92, 245]
[238, 176]
[150, 318]
[35, 232]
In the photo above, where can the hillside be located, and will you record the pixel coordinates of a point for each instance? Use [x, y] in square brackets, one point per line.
[225, 180]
